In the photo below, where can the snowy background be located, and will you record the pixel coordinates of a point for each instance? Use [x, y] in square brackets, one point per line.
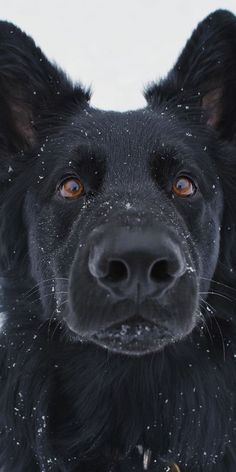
[116, 46]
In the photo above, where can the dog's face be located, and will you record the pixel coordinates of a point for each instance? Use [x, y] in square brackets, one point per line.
[121, 212]
[125, 218]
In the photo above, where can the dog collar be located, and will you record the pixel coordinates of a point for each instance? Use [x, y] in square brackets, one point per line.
[174, 468]
[147, 456]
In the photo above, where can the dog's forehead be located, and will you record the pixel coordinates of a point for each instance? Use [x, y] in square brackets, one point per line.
[132, 130]
[135, 137]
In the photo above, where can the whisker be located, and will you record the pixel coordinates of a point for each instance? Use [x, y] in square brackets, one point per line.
[52, 318]
[218, 283]
[222, 337]
[59, 321]
[219, 295]
[213, 318]
[37, 332]
[206, 327]
[211, 308]
[35, 287]
[47, 295]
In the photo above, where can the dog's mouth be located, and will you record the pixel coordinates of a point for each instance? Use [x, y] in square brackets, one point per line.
[135, 336]
[147, 329]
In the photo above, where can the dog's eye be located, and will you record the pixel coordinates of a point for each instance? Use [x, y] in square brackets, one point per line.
[72, 187]
[183, 186]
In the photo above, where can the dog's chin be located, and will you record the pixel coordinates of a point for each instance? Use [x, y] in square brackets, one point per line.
[136, 337]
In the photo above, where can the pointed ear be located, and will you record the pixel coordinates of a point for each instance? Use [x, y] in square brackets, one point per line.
[31, 88]
[205, 74]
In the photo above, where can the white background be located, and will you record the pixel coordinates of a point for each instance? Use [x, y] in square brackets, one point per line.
[117, 46]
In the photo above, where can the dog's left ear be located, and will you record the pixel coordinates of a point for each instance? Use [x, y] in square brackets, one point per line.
[31, 89]
[204, 76]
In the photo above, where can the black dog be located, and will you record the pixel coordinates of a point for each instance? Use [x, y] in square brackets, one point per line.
[118, 253]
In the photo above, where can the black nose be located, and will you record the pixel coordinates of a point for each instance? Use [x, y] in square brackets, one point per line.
[135, 264]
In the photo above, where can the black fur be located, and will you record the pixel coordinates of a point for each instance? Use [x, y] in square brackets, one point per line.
[78, 394]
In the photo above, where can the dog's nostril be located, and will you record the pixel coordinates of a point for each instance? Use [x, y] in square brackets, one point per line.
[117, 271]
[159, 271]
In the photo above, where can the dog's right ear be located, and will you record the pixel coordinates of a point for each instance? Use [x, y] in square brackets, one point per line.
[203, 80]
[31, 89]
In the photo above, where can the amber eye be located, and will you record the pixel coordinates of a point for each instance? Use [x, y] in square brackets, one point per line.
[183, 186]
[71, 188]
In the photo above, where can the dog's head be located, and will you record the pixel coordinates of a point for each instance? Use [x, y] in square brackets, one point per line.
[117, 217]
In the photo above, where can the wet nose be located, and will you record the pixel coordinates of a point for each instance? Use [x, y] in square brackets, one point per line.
[136, 264]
